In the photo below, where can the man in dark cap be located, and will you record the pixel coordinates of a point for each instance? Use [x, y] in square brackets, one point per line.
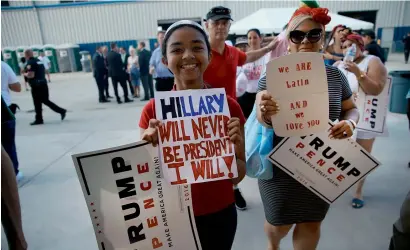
[371, 46]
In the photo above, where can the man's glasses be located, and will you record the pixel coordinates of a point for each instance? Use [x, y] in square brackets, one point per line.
[313, 36]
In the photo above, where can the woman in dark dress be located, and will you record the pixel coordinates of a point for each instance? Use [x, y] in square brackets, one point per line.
[287, 202]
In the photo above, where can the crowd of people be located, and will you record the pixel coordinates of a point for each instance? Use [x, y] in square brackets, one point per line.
[242, 72]
[189, 56]
[137, 66]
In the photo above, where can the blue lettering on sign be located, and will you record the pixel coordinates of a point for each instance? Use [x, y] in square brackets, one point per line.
[184, 106]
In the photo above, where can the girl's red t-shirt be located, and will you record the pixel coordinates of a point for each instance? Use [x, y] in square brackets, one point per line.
[207, 197]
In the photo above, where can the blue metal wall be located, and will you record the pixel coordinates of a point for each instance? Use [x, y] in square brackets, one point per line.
[399, 33]
[90, 47]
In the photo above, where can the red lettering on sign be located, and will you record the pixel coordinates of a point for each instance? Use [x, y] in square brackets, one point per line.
[303, 66]
[310, 154]
[176, 166]
[283, 69]
[152, 222]
[142, 168]
[145, 187]
[340, 178]
[331, 170]
[156, 243]
[149, 203]
[321, 162]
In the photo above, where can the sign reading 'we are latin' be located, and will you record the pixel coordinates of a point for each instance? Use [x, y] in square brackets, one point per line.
[193, 138]
[298, 83]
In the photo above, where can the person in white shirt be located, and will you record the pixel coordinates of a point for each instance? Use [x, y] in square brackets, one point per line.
[9, 82]
[46, 62]
[253, 72]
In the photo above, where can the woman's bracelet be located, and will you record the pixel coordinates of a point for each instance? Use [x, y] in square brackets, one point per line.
[267, 121]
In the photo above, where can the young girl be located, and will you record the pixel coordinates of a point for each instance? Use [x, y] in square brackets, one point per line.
[186, 52]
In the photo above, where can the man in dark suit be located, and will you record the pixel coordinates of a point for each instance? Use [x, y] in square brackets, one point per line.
[143, 60]
[100, 73]
[115, 70]
[104, 50]
[124, 58]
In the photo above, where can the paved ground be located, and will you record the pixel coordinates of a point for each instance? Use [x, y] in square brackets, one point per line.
[55, 214]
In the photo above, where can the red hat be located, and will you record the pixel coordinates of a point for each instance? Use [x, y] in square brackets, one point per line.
[356, 39]
[319, 15]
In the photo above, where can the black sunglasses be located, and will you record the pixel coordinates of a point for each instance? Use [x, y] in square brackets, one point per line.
[313, 36]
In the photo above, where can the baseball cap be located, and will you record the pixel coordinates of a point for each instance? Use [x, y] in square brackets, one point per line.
[218, 13]
[241, 40]
[369, 33]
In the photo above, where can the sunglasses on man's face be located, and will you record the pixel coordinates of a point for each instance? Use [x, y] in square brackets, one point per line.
[313, 36]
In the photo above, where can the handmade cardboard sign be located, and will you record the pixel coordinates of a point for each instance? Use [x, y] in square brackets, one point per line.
[130, 204]
[327, 167]
[373, 110]
[298, 83]
[193, 139]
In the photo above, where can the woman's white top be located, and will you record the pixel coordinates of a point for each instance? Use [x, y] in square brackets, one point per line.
[132, 60]
[354, 86]
[253, 71]
[351, 78]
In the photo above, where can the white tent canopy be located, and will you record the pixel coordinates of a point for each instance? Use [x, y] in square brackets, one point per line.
[272, 20]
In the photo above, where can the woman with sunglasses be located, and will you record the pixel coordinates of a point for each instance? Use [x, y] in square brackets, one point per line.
[368, 73]
[333, 50]
[287, 202]
[186, 52]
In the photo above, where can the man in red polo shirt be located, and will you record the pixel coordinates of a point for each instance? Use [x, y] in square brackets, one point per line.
[221, 71]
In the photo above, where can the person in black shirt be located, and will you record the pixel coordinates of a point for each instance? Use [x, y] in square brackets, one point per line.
[115, 69]
[35, 72]
[143, 60]
[406, 41]
[372, 47]
[100, 73]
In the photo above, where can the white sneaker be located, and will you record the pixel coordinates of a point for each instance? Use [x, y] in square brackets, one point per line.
[19, 176]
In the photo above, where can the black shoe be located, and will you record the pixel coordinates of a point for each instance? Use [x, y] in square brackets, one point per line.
[104, 101]
[63, 115]
[119, 101]
[109, 97]
[128, 100]
[37, 123]
[239, 200]
[145, 99]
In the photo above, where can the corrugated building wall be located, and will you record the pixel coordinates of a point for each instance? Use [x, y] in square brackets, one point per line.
[117, 21]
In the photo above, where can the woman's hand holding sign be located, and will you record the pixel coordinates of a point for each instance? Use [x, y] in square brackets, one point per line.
[341, 130]
[268, 106]
[236, 136]
[151, 133]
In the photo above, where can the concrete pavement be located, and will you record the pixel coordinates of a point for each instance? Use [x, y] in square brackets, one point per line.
[55, 215]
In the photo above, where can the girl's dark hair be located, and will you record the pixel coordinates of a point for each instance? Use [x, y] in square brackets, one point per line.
[254, 30]
[23, 60]
[181, 24]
